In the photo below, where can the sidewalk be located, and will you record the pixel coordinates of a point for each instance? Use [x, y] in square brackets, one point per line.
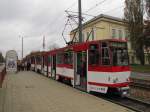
[31, 92]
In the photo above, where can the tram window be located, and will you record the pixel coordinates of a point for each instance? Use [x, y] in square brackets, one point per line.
[60, 58]
[45, 60]
[38, 60]
[32, 60]
[105, 54]
[68, 58]
[93, 55]
[120, 56]
[49, 59]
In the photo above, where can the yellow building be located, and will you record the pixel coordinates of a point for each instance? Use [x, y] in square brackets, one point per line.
[105, 27]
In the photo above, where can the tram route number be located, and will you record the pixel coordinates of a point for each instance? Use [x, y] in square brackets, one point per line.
[99, 88]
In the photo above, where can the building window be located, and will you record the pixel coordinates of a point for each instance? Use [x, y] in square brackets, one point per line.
[113, 33]
[120, 34]
[126, 35]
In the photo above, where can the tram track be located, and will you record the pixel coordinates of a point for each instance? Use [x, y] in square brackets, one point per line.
[128, 102]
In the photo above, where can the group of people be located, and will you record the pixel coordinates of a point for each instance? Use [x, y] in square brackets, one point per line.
[24, 66]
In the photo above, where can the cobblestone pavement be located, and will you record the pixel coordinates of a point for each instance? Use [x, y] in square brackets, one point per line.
[31, 92]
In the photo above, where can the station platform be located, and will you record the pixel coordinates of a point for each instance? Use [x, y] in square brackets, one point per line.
[32, 92]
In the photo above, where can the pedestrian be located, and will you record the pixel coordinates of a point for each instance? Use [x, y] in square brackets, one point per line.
[28, 66]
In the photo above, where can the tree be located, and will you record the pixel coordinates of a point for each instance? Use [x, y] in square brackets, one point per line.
[148, 8]
[133, 13]
[1, 58]
[147, 29]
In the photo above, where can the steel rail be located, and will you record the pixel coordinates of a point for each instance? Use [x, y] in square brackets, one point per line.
[133, 104]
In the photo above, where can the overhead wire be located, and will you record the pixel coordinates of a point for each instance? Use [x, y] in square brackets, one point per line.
[59, 18]
[114, 8]
[64, 31]
[71, 5]
[97, 4]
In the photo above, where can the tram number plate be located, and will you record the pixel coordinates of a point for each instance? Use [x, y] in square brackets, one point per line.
[100, 89]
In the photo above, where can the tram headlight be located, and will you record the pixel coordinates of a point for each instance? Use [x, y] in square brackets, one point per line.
[128, 79]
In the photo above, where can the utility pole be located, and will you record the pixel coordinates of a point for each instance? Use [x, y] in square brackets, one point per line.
[43, 43]
[80, 20]
[22, 48]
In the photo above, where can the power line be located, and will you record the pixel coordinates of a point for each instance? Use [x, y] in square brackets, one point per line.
[71, 5]
[114, 8]
[82, 13]
[95, 5]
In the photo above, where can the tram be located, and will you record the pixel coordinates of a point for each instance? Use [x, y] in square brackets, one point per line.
[100, 66]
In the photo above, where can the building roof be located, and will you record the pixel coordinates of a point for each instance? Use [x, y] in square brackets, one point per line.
[100, 17]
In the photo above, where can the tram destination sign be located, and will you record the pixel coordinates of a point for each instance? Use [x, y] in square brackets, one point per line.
[118, 44]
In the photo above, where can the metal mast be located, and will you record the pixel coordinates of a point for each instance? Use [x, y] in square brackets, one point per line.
[80, 20]
[22, 48]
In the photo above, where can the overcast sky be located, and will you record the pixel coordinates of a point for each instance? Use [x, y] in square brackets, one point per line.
[34, 18]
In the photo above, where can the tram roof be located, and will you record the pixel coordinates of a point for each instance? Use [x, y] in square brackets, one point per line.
[74, 47]
[81, 46]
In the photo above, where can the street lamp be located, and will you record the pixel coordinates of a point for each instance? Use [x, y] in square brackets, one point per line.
[21, 45]
[22, 39]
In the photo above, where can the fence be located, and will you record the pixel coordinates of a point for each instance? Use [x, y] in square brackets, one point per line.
[2, 75]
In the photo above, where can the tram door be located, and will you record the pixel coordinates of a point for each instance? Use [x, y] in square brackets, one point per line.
[43, 63]
[81, 70]
[35, 65]
[53, 68]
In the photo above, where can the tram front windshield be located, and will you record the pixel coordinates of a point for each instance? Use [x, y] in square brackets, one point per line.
[119, 54]
[114, 53]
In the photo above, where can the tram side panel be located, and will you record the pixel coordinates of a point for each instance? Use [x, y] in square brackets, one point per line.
[45, 65]
[52, 65]
[33, 63]
[49, 69]
[38, 64]
[100, 81]
[64, 70]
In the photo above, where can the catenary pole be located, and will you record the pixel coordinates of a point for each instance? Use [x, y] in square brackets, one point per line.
[80, 20]
[22, 48]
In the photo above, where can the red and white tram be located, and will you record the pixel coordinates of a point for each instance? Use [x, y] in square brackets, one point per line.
[100, 66]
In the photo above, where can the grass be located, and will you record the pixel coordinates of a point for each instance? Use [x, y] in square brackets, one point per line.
[140, 68]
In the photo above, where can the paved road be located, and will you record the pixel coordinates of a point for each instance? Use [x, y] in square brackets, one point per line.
[31, 92]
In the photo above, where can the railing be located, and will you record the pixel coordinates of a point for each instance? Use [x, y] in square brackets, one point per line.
[2, 75]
